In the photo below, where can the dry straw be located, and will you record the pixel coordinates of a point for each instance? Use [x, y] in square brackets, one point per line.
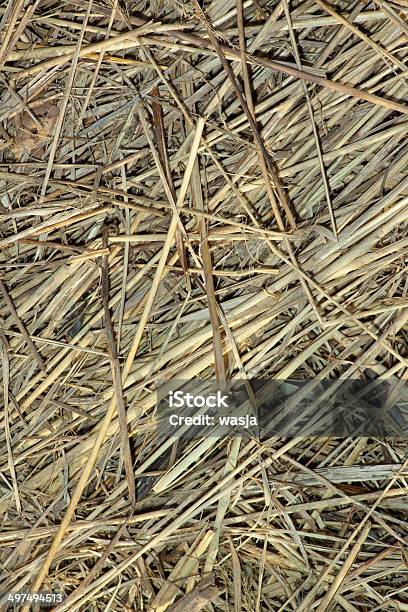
[200, 190]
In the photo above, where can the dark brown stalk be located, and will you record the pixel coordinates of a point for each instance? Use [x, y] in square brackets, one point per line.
[21, 326]
[116, 373]
[160, 134]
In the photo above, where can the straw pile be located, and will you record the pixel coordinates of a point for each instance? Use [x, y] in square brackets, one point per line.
[199, 190]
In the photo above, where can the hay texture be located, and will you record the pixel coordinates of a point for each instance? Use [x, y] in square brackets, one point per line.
[199, 190]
